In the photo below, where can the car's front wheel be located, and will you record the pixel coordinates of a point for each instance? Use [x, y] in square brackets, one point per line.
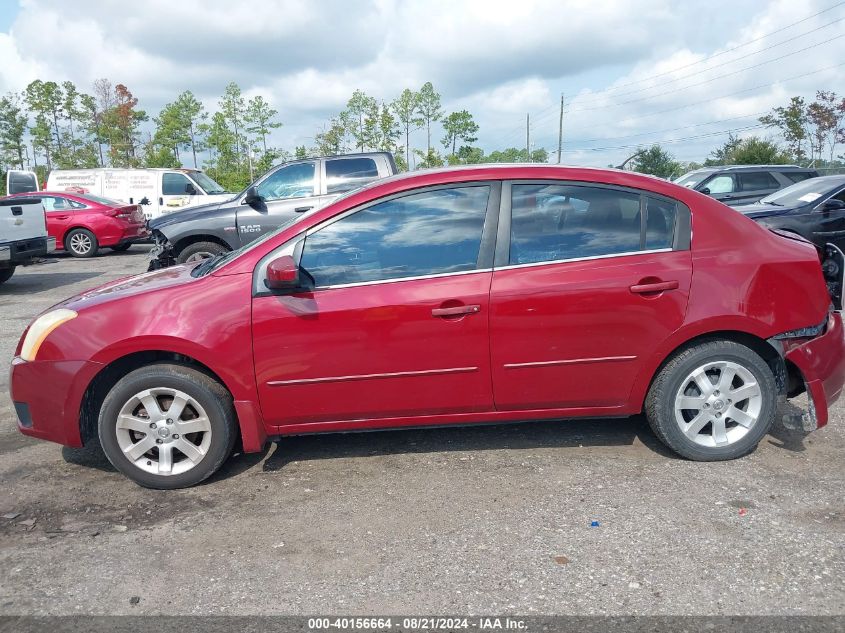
[713, 401]
[167, 426]
[200, 250]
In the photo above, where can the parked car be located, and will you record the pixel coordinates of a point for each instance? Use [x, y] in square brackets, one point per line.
[159, 191]
[82, 224]
[813, 209]
[23, 234]
[276, 198]
[453, 296]
[737, 185]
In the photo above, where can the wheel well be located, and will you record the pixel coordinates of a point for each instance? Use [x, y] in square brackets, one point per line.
[788, 377]
[75, 228]
[117, 369]
[182, 244]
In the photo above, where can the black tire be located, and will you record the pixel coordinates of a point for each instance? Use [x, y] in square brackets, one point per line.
[81, 243]
[121, 247]
[6, 274]
[660, 401]
[200, 250]
[208, 393]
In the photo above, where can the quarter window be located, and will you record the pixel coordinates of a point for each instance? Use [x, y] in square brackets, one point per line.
[557, 222]
[344, 174]
[798, 176]
[426, 233]
[293, 181]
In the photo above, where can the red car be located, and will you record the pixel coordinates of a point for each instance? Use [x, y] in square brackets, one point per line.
[460, 296]
[82, 223]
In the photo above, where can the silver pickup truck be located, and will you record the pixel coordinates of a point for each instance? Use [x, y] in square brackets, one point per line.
[23, 234]
[283, 193]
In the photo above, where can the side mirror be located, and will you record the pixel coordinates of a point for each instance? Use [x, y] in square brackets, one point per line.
[705, 191]
[284, 274]
[252, 198]
[190, 190]
[833, 205]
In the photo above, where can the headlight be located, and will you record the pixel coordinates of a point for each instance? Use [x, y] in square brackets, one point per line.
[40, 328]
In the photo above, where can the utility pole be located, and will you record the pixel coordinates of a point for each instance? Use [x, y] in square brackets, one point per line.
[528, 136]
[560, 132]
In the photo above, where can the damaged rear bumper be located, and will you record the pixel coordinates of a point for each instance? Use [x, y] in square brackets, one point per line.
[821, 362]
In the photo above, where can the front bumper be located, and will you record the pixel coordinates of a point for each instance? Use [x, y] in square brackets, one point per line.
[51, 413]
[822, 364]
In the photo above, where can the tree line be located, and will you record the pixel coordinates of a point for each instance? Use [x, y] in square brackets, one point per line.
[55, 125]
[808, 134]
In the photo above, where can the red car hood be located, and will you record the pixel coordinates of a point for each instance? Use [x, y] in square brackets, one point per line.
[134, 285]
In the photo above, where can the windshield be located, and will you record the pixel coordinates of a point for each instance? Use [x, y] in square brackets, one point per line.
[100, 200]
[800, 193]
[692, 178]
[207, 183]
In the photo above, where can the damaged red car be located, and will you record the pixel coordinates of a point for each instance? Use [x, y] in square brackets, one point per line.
[459, 296]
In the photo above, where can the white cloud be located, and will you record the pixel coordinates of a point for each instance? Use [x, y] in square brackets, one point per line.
[499, 59]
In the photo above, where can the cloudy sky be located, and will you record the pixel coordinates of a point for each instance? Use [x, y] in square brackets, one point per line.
[633, 72]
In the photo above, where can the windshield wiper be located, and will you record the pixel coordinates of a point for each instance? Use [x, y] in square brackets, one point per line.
[777, 204]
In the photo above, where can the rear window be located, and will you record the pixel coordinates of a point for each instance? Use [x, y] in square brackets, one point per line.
[756, 180]
[798, 176]
[343, 174]
[100, 200]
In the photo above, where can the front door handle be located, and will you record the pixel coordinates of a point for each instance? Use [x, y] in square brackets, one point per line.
[656, 286]
[455, 311]
[302, 209]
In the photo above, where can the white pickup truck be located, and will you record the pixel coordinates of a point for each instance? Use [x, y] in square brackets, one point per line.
[23, 234]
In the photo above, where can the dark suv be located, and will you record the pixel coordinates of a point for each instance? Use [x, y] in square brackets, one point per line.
[736, 185]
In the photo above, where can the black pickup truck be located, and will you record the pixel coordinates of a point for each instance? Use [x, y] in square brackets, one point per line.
[289, 189]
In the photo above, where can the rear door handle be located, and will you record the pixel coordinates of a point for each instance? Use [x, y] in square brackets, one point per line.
[302, 209]
[455, 311]
[657, 286]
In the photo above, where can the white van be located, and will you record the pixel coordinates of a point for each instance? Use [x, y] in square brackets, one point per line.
[159, 191]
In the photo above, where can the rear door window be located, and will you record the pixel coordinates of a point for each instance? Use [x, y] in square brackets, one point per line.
[560, 222]
[344, 174]
[757, 181]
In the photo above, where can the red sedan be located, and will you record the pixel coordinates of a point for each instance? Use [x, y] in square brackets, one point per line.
[83, 223]
[461, 296]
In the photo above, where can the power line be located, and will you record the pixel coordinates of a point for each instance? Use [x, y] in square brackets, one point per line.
[730, 50]
[669, 141]
[707, 81]
[542, 114]
[596, 96]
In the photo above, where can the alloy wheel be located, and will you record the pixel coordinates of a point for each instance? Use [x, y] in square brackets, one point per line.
[718, 403]
[80, 243]
[163, 431]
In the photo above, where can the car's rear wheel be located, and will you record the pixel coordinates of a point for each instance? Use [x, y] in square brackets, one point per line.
[167, 426]
[81, 243]
[200, 250]
[713, 401]
[121, 247]
[6, 274]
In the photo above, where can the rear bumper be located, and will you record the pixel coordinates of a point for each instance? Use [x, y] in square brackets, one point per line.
[50, 413]
[24, 251]
[822, 363]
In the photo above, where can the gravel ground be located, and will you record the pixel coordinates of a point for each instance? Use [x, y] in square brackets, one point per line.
[491, 519]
